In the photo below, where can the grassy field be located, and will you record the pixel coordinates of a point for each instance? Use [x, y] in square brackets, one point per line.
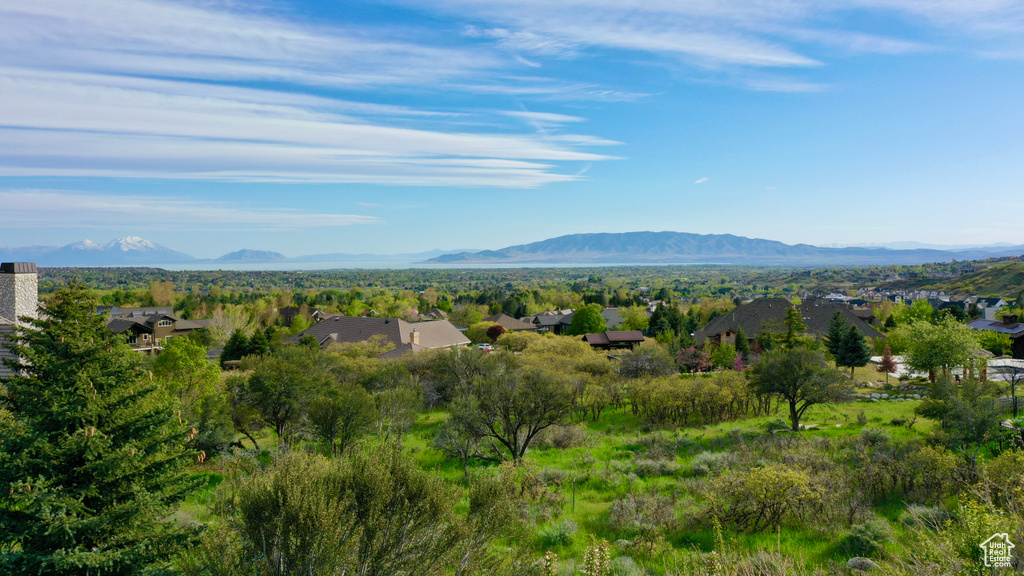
[585, 475]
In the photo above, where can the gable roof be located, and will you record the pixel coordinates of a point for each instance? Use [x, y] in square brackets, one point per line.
[510, 323]
[752, 317]
[351, 329]
[769, 313]
[119, 325]
[612, 317]
[817, 314]
[1015, 330]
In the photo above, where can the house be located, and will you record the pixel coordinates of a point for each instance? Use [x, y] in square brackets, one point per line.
[612, 317]
[435, 313]
[128, 312]
[511, 324]
[288, 314]
[865, 314]
[554, 321]
[148, 333]
[1008, 325]
[990, 306]
[769, 313]
[615, 339]
[407, 337]
[19, 297]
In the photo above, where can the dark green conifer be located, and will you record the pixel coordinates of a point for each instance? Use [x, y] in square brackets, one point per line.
[836, 333]
[853, 350]
[235, 348]
[742, 343]
[92, 458]
[259, 344]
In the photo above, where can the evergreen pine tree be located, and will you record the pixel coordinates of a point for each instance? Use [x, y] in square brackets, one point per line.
[853, 350]
[795, 325]
[836, 333]
[92, 458]
[259, 344]
[742, 343]
[235, 348]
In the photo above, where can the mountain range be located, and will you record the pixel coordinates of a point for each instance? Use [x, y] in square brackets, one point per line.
[584, 249]
[135, 251]
[683, 248]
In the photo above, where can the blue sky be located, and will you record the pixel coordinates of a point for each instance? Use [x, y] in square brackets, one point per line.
[387, 127]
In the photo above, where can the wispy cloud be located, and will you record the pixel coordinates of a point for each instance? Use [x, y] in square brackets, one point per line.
[40, 208]
[739, 34]
[151, 89]
[548, 117]
[702, 180]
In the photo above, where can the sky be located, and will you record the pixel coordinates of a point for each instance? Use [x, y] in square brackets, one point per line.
[306, 127]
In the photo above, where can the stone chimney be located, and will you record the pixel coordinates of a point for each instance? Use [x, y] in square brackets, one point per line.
[414, 337]
[19, 290]
[1009, 319]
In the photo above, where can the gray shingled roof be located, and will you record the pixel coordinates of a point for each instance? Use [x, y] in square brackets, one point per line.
[770, 312]
[119, 325]
[1015, 330]
[350, 329]
[510, 323]
[612, 317]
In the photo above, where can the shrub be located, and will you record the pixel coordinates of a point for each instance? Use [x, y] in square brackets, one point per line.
[711, 463]
[931, 517]
[642, 515]
[557, 534]
[562, 437]
[658, 446]
[552, 476]
[645, 468]
[866, 539]
[761, 498]
[646, 361]
[1005, 478]
[625, 566]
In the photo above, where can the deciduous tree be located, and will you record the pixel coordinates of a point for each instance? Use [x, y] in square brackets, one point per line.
[942, 346]
[887, 364]
[512, 406]
[801, 377]
[587, 320]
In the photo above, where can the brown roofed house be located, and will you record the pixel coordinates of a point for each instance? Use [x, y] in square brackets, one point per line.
[149, 333]
[510, 323]
[407, 337]
[615, 339]
[769, 313]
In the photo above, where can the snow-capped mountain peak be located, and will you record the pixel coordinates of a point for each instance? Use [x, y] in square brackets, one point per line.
[130, 243]
[84, 245]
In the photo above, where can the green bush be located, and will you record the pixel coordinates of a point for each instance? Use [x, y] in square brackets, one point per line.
[642, 514]
[650, 468]
[919, 516]
[761, 498]
[625, 566]
[711, 463]
[557, 534]
[866, 539]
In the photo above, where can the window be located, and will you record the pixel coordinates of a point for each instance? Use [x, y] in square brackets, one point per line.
[145, 336]
[133, 338]
[164, 323]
